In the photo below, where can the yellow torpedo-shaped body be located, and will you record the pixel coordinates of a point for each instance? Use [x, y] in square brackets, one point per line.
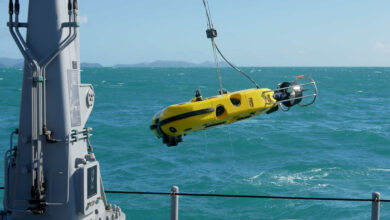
[180, 119]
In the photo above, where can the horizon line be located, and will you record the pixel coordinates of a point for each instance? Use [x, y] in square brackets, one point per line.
[225, 65]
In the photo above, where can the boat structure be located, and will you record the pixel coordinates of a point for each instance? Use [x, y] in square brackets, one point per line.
[51, 171]
[175, 121]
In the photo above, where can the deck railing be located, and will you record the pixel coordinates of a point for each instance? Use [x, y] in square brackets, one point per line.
[174, 194]
[375, 199]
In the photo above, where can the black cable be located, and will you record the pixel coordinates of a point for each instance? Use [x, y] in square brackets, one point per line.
[139, 193]
[236, 68]
[249, 196]
[244, 196]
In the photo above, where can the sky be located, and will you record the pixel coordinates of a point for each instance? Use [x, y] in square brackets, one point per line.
[250, 32]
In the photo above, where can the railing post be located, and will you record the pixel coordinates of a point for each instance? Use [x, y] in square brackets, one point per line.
[376, 205]
[174, 203]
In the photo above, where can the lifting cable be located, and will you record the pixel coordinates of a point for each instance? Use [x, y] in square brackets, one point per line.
[211, 34]
[210, 31]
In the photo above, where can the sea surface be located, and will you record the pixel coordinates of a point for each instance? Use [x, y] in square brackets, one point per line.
[338, 147]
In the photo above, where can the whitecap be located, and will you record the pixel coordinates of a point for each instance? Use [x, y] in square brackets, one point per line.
[1, 79]
[292, 179]
[251, 179]
[315, 170]
[103, 81]
[299, 178]
[380, 169]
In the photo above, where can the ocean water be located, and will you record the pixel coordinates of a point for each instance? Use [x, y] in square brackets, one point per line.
[338, 147]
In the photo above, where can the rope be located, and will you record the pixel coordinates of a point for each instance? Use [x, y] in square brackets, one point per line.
[244, 196]
[210, 26]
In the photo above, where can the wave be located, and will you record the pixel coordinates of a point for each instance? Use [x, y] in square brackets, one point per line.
[380, 169]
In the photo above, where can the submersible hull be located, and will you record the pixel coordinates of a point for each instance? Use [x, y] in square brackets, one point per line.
[199, 114]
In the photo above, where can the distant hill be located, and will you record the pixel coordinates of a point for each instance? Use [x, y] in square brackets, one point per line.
[168, 63]
[90, 65]
[10, 62]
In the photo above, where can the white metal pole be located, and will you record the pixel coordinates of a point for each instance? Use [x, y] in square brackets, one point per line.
[174, 203]
[376, 205]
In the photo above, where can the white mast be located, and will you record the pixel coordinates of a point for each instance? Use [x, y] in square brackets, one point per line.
[52, 172]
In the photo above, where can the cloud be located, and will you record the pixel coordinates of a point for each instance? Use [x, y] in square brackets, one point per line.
[379, 45]
[83, 19]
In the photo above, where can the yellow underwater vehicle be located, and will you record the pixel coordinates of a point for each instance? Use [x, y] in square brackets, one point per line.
[177, 120]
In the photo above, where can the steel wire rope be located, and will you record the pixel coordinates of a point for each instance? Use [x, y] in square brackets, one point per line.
[208, 14]
[210, 26]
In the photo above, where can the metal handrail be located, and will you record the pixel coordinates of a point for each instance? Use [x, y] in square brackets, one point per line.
[375, 200]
